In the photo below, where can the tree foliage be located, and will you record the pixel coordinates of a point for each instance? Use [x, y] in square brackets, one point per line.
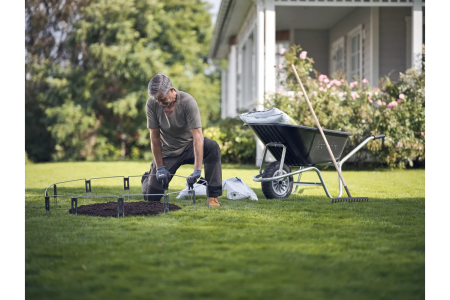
[92, 78]
[48, 24]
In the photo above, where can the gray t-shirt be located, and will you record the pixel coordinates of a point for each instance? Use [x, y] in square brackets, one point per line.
[175, 129]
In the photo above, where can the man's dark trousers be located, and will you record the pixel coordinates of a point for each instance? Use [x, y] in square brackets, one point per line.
[212, 168]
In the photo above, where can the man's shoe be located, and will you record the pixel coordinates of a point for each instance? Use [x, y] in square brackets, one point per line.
[213, 202]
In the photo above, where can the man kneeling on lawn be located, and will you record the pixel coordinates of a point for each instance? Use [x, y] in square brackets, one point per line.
[173, 119]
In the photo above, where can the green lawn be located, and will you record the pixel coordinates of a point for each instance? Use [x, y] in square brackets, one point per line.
[302, 247]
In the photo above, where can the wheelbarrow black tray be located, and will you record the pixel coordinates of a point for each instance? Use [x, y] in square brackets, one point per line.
[304, 145]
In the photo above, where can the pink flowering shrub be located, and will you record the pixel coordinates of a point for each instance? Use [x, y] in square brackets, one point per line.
[397, 110]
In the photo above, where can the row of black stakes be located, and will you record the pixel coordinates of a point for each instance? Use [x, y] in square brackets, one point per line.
[126, 185]
[87, 183]
[120, 201]
[74, 206]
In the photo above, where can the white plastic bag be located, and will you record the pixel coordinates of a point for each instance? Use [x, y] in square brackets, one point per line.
[273, 115]
[200, 190]
[237, 189]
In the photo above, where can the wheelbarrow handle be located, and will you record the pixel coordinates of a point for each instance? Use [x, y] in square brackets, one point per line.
[380, 136]
[370, 138]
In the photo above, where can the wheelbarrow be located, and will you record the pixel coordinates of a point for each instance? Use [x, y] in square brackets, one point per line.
[298, 146]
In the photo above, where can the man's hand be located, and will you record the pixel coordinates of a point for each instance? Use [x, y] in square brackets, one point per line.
[193, 178]
[162, 175]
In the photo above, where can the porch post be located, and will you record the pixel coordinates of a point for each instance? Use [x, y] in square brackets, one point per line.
[270, 45]
[223, 101]
[255, 68]
[239, 75]
[232, 74]
[259, 71]
[270, 49]
[244, 75]
[260, 55]
[248, 72]
[374, 45]
[417, 33]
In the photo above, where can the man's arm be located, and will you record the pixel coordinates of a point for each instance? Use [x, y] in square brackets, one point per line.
[198, 147]
[155, 140]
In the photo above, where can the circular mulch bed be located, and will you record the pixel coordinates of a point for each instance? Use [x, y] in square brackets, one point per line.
[109, 209]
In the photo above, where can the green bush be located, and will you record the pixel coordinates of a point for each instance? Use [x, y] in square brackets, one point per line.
[403, 124]
[397, 110]
[105, 150]
[237, 142]
[148, 156]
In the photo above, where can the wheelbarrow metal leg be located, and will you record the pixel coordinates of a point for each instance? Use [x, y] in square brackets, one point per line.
[298, 180]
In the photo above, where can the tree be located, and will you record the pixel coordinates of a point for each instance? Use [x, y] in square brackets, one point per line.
[96, 94]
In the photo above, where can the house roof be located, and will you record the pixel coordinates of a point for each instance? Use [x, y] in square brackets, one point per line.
[231, 15]
[223, 11]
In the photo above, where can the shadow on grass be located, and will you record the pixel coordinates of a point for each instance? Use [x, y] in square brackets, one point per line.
[301, 194]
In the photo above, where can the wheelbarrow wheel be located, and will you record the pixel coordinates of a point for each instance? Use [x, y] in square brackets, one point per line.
[277, 189]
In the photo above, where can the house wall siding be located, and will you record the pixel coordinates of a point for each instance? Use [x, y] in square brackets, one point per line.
[358, 16]
[315, 42]
[393, 40]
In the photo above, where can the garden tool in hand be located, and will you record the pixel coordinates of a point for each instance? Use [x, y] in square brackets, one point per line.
[191, 179]
[162, 175]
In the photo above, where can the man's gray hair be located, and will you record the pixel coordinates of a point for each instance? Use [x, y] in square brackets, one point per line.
[160, 84]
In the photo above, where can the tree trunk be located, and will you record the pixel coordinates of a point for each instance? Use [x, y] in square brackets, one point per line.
[91, 138]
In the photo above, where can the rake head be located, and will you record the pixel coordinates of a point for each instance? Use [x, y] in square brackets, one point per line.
[349, 198]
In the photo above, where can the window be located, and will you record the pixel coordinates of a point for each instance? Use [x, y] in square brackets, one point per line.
[355, 53]
[337, 56]
[279, 60]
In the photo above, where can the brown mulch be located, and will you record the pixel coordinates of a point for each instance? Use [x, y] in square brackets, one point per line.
[109, 209]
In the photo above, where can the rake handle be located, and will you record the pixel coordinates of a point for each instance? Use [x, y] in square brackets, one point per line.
[320, 129]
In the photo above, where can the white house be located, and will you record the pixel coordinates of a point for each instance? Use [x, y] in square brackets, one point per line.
[364, 38]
